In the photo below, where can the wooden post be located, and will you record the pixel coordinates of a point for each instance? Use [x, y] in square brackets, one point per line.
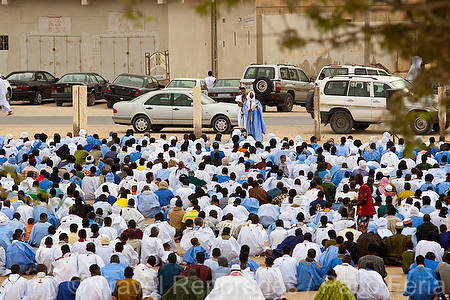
[442, 110]
[79, 103]
[197, 105]
[317, 112]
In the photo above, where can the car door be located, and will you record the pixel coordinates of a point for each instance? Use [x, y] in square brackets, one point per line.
[358, 100]
[182, 110]
[47, 86]
[158, 108]
[41, 82]
[101, 84]
[306, 86]
[379, 111]
[296, 83]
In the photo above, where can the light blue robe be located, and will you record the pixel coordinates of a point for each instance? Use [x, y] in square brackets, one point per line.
[330, 254]
[254, 122]
[148, 205]
[310, 276]
[251, 205]
[421, 284]
[112, 273]
[22, 254]
[6, 236]
[268, 214]
[190, 256]
[39, 231]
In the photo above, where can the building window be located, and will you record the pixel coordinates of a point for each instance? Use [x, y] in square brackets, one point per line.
[235, 38]
[248, 37]
[4, 42]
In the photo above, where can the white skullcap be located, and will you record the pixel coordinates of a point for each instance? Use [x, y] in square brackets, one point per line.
[353, 149]
[24, 135]
[82, 133]
[386, 135]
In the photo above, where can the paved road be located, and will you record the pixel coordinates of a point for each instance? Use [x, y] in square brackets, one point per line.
[106, 120]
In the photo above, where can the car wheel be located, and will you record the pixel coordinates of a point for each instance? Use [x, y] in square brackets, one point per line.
[309, 103]
[262, 86]
[341, 122]
[59, 103]
[288, 103]
[109, 103]
[91, 99]
[421, 123]
[141, 124]
[157, 128]
[361, 126]
[37, 98]
[221, 124]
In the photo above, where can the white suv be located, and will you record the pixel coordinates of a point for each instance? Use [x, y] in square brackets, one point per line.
[348, 102]
[335, 70]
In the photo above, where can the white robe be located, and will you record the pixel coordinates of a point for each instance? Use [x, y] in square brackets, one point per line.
[94, 288]
[13, 288]
[427, 246]
[41, 287]
[288, 267]
[65, 268]
[243, 288]
[205, 237]
[270, 281]
[129, 213]
[104, 251]
[239, 212]
[371, 286]
[89, 186]
[166, 233]
[43, 257]
[254, 236]
[149, 281]
[301, 250]
[277, 236]
[131, 255]
[85, 261]
[4, 104]
[108, 231]
[228, 248]
[348, 275]
[151, 246]
[3, 270]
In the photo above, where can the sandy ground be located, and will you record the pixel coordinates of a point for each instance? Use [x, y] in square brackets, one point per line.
[396, 279]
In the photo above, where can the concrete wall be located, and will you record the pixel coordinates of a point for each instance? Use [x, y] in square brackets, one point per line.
[65, 36]
[314, 56]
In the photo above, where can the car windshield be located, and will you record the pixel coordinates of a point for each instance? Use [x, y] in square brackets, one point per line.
[131, 81]
[400, 84]
[73, 78]
[334, 71]
[227, 83]
[255, 72]
[25, 76]
[185, 84]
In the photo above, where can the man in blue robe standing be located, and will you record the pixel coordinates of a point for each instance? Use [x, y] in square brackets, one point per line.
[254, 122]
[21, 253]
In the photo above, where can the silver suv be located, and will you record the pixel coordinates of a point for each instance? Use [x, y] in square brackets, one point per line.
[348, 102]
[277, 85]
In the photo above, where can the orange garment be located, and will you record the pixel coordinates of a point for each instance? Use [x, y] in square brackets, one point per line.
[28, 229]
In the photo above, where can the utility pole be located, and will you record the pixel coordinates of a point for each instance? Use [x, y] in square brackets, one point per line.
[366, 34]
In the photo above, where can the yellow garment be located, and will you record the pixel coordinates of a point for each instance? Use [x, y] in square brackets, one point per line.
[123, 202]
[141, 168]
[73, 237]
[190, 215]
[404, 195]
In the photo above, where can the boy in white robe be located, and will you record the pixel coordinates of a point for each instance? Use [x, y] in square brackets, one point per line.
[13, 287]
[42, 287]
[95, 287]
[288, 267]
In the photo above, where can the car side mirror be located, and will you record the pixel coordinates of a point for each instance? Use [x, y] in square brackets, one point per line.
[311, 79]
[161, 86]
[56, 79]
[107, 81]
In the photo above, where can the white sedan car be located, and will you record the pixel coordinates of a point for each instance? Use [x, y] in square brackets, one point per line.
[173, 108]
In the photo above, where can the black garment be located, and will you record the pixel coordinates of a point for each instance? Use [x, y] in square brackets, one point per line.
[83, 210]
[370, 238]
[351, 248]
[290, 241]
[424, 229]
[316, 205]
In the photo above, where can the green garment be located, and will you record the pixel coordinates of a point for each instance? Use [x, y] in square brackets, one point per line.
[195, 181]
[395, 245]
[188, 288]
[329, 190]
[334, 290]
[407, 260]
[80, 156]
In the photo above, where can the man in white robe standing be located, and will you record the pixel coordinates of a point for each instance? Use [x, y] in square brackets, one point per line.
[13, 288]
[3, 101]
[42, 287]
[95, 287]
